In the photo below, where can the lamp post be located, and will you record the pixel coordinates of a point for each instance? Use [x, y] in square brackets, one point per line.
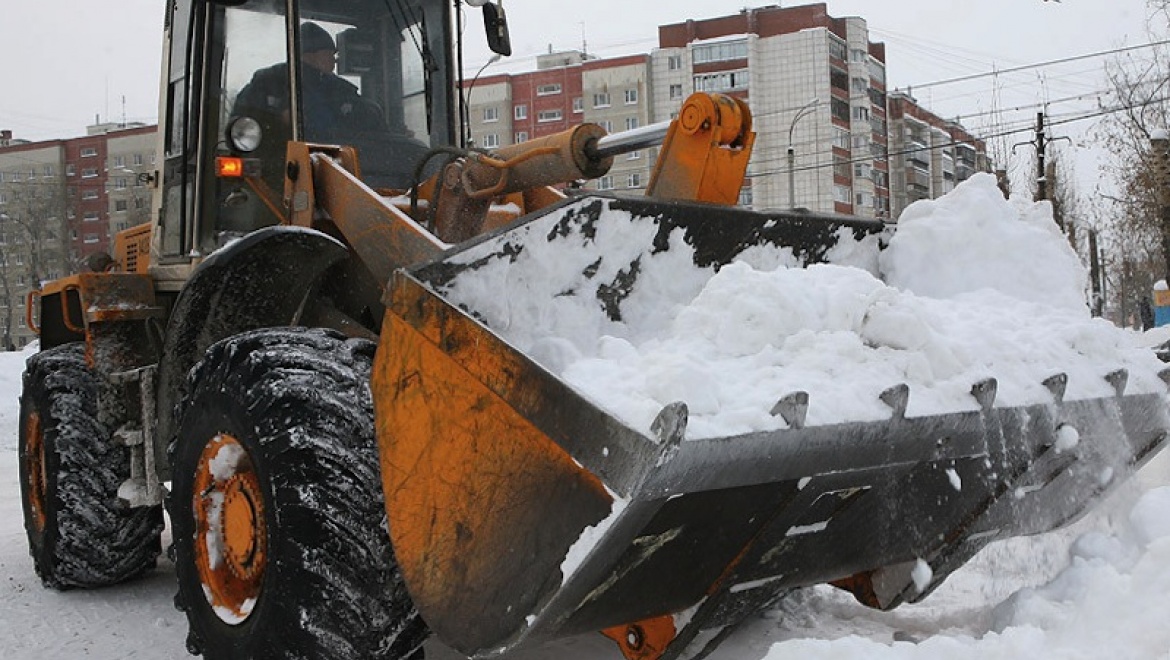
[804, 110]
[467, 102]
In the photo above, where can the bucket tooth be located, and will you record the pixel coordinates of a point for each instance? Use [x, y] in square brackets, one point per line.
[897, 398]
[793, 408]
[1057, 384]
[670, 426]
[984, 392]
[1118, 379]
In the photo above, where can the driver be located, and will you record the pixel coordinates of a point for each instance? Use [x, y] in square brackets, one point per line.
[330, 102]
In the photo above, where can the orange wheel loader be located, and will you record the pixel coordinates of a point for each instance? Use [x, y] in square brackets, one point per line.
[353, 458]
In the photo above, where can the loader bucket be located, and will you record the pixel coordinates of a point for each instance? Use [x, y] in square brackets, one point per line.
[521, 511]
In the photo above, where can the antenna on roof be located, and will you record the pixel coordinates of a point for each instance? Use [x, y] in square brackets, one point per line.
[584, 43]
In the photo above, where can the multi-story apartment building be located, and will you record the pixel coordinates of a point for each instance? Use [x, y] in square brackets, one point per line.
[567, 88]
[62, 200]
[929, 155]
[817, 88]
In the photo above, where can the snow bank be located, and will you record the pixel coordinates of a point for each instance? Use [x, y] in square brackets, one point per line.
[975, 287]
[1109, 602]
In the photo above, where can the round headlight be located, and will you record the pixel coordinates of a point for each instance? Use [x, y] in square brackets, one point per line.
[245, 134]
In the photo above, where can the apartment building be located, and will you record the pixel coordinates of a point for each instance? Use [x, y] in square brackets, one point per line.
[829, 136]
[929, 155]
[62, 200]
[567, 89]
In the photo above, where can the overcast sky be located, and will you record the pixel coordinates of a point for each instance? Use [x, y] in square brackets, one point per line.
[67, 61]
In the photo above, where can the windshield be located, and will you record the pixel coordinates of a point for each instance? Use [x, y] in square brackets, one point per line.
[373, 74]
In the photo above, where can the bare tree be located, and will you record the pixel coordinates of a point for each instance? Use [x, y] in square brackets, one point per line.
[32, 245]
[1128, 221]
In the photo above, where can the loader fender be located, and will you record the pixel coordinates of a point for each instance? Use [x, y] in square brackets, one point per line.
[258, 281]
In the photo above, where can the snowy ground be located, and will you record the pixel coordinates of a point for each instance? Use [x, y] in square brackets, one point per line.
[1107, 598]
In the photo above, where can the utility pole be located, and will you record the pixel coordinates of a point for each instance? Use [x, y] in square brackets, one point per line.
[1095, 275]
[1041, 173]
[1160, 142]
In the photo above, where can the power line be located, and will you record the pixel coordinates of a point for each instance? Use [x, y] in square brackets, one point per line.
[953, 143]
[1037, 65]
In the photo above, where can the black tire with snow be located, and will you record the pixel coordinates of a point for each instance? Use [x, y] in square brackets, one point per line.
[299, 402]
[89, 538]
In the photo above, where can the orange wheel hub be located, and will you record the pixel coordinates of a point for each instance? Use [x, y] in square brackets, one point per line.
[231, 538]
[34, 450]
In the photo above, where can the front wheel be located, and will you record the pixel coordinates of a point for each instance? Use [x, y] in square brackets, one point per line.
[281, 545]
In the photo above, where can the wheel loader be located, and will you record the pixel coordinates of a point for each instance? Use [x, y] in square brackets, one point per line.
[353, 457]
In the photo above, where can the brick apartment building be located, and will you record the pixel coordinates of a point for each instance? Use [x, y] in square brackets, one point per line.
[62, 200]
[816, 85]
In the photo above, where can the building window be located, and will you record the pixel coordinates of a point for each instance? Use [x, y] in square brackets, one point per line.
[491, 114]
[140, 202]
[121, 183]
[860, 85]
[48, 171]
[579, 104]
[720, 52]
[720, 82]
[520, 111]
[549, 89]
[90, 239]
[88, 152]
[69, 170]
[631, 123]
[89, 173]
[634, 180]
[842, 194]
[91, 216]
[605, 183]
[634, 155]
[840, 167]
[491, 140]
[601, 100]
[858, 55]
[521, 136]
[860, 142]
[862, 170]
[89, 193]
[549, 115]
[864, 200]
[674, 62]
[631, 97]
[861, 114]
[119, 161]
[121, 205]
[676, 92]
[3, 198]
[137, 160]
[838, 79]
[606, 124]
[837, 49]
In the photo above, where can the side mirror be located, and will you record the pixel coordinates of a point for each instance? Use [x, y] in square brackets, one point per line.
[495, 23]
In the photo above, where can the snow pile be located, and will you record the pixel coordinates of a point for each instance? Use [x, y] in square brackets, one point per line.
[976, 287]
[1109, 602]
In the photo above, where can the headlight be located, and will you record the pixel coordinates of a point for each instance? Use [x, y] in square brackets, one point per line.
[245, 134]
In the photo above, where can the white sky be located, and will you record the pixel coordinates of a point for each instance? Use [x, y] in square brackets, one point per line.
[67, 61]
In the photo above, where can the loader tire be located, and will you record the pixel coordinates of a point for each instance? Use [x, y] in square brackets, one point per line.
[281, 544]
[79, 533]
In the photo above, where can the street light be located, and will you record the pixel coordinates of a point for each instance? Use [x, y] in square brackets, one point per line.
[467, 97]
[804, 110]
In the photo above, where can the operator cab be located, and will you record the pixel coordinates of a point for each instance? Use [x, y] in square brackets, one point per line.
[245, 78]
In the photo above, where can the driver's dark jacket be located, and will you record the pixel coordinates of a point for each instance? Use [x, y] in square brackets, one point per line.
[330, 102]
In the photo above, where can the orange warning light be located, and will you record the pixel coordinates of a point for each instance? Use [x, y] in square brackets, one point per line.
[229, 167]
